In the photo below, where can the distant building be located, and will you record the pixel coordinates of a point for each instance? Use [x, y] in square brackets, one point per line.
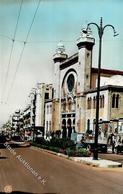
[48, 116]
[26, 118]
[15, 122]
[38, 96]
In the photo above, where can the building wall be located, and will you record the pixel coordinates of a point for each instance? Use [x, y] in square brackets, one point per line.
[78, 66]
[43, 92]
[80, 114]
[39, 111]
[26, 118]
[48, 117]
[104, 113]
[116, 112]
[55, 116]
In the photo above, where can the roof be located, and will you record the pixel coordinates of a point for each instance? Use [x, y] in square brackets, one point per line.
[107, 87]
[107, 71]
[69, 61]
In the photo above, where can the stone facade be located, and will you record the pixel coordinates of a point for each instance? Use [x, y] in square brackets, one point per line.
[72, 78]
[74, 97]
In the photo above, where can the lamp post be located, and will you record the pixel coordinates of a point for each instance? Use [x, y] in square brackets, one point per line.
[100, 29]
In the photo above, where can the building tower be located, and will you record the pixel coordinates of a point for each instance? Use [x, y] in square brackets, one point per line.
[85, 45]
[58, 57]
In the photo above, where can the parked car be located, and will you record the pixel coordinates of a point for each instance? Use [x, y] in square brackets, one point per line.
[2, 141]
[16, 138]
[17, 141]
[119, 149]
[102, 148]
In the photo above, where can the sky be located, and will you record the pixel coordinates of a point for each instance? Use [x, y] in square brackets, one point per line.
[21, 67]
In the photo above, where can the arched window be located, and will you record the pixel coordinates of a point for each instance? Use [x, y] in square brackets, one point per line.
[113, 101]
[70, 106]
[88, 125]
[64, 106]
[94, 102]
[117, 101]
[69, 127]
[89, 103]
[63, 123]
[102, 101]
[64, 133]
[50, 108]
[69, 123]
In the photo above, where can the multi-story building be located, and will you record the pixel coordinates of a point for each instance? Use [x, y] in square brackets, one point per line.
[15, 122]
[27, 118]
[110, 102]
[38, 97]
[43, 93]
[48, 117]
[32, 101]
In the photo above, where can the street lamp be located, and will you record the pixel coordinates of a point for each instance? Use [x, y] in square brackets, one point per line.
[100, 29]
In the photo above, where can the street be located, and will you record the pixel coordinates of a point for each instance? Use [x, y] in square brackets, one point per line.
[61, 176]
[114, 157]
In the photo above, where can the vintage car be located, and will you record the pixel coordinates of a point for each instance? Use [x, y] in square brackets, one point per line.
[102, 147]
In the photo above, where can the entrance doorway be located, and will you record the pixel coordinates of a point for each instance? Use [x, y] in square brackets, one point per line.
[64, 131]
[69, 128]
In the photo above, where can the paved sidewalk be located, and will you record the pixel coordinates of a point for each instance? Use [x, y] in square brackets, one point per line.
[97, 163]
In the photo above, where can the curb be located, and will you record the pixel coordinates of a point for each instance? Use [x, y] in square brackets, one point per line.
[50, 152]
[83, 161]
[101, 163]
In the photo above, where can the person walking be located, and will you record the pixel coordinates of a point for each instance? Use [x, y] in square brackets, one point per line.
[113, 142]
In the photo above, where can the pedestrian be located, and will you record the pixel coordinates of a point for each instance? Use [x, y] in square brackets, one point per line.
[119, 142]
[113, 142]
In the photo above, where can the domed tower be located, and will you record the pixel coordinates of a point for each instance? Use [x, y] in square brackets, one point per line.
[85, 45]
[58, 57]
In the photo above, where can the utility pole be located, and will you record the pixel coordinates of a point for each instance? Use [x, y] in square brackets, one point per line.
[100, 29]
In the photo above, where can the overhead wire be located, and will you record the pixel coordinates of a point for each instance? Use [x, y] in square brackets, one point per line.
[24, 44]
[5, 36]
[47, 41]
[22, 51]
[11, 51]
